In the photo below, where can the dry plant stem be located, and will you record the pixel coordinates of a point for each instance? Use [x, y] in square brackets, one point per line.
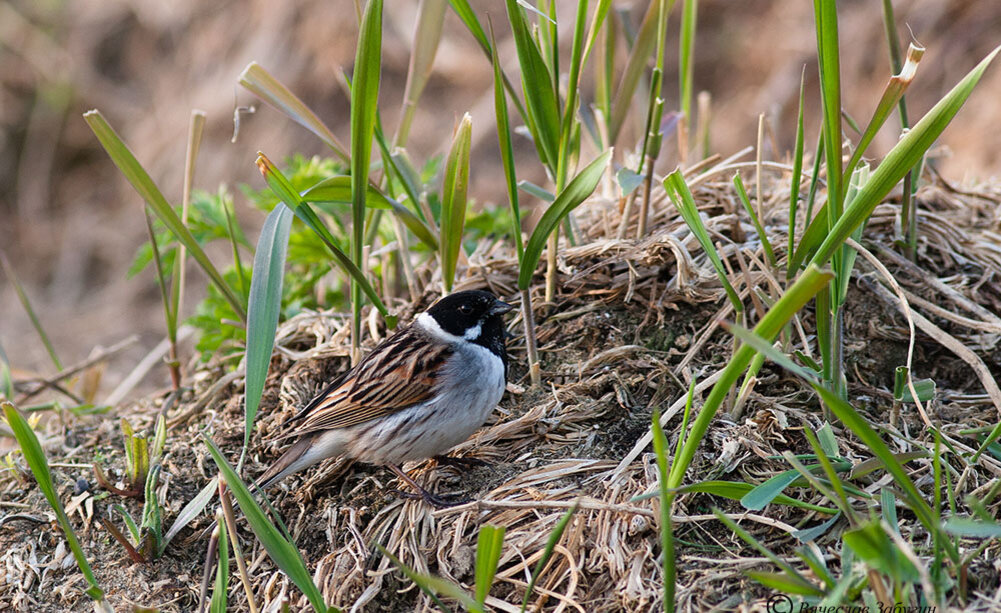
[531, 343]
[757, 169]
[551, 247]
[645, 204]
[153, 358]
[705, 116]
[210, 558]
[683, 139]
[227, 510]
[627, 211]
[99, 356]
[195, 129]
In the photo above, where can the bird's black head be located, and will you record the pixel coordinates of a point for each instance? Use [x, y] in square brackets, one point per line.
[473, 315]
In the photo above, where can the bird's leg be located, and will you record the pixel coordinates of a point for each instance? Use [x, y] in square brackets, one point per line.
[445, 460]
[439, 502]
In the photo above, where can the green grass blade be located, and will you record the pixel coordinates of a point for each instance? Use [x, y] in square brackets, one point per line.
[151, 520]
[6, 380]
[794, 298]
[507, 153]
[765, 348]
[968, 527]
[839, 488]
[427, 34]
[534, 190]
[543, 115]
[129, 522]
[35, 457]
[825, 436]
[668, 570]
[575, 193]
[281, 551]
[853, 421]
[468, 17]
[797, 175]
[604, 70]
[875, 547]
[828, 58]
[285, 192]
[269, 89]
[904, 155]
[169, 315]
[489, 543]
[738, 183]
[794, 577]
[784, 583]
[888, 508]
[568, 118]
[892, 94]
[547, 553]
[264, 308]
[190, 511]
[453, 200]
[432, 586]
[219, 591]
[805, 535]
[141, 181]
[639, 55]
[364, 108]
[686, 56]
[233, 232]
[813, 236]
[26, 303]
[337, 189]
[682, 198]
[593, 30]
[736, 490]
[761, 495]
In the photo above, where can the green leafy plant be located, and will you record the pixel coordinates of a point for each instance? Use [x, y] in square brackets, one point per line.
[453, 209]
[142, 454]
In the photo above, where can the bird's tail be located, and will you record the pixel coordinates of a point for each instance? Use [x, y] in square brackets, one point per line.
[295, 458]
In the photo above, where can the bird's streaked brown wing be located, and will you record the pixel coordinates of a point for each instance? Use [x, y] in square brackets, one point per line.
[398, 374]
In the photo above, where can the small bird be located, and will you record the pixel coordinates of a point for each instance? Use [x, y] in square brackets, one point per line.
[422, 391]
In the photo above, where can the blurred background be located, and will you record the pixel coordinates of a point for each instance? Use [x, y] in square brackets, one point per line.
[70, 225]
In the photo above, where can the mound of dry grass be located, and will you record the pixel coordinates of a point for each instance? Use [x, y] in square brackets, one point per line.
[635, 322]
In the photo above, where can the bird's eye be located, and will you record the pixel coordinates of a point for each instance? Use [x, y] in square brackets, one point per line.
[465, 309]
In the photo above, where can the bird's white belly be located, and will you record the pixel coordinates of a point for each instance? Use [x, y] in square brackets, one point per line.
[470, 386]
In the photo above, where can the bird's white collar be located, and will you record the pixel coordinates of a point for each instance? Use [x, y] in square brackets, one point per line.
[432, 327]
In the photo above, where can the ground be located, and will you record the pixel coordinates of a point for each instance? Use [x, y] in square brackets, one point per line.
[629, 330]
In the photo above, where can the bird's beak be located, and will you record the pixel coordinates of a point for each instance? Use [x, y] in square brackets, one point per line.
[500, 308]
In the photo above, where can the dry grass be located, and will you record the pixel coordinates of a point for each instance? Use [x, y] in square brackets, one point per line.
[634, 322]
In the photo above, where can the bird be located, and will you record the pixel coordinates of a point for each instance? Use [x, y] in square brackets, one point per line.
[420, 392]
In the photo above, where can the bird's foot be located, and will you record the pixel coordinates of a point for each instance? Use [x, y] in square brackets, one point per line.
[445, 460]
[437, 501]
